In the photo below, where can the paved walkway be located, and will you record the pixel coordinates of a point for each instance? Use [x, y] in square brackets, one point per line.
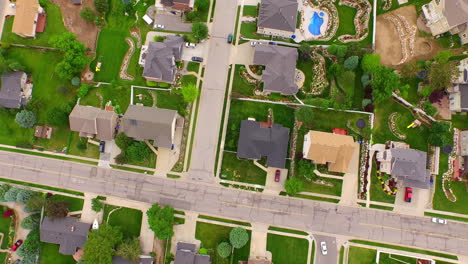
[185, 232]
[167, 157]
[350, 180]
[87, 213]
[252, 74]
[323, 175]
[258, 244]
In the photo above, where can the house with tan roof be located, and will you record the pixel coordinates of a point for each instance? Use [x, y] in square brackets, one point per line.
[93, 122]
[447, 16]
[26, 19]
[335, 150]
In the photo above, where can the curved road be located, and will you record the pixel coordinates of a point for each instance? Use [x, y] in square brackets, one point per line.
[317, 217]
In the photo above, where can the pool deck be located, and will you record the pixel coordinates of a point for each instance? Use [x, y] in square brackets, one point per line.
[303, 32]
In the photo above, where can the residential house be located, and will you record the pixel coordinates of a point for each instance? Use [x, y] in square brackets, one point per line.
[142, 260]
[277, 18]
[447, 16]
[150, 123]
[458, 97]
[280, 68]
[159, 59]
[181, 5]
[335, 150]
[26, 18]
[67, 232]
[187, 254]
[463, 149]
[15, 91]
[263, 139]
[405, 164]
[93, 122]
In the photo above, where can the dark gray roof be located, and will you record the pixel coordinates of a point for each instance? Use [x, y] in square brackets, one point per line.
[142, 260]
[278, 14]
[456, 12]
[463, 95]
[256, 142]
[68, 232]
[161, 57]
[280, 68]
[186, 254]
[149, 123]
[10, 94]
[76, 2]
[409, 165]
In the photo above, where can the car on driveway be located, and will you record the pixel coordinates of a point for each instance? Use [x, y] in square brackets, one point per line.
[439, 220]
[190, 45]
[323, 247]
[15, 246]
[197, 59]
[159, 26]
[408, 194]
[102, 146]
[277, 175]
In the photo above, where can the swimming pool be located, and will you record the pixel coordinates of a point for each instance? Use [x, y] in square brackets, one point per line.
[316, 23]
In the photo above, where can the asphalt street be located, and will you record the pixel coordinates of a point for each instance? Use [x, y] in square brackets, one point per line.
[332, 250]
[212, 94]
[316, 217]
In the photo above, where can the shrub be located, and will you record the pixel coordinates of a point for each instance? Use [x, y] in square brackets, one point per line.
[121, 158]
[24, 195]
[82, 144]
[203, 251]
[26, 119]
[159, 39]
[11, 194]
[238, 237]
[101, 6]
[88, 14]
[83, 90]
[96, 205]
[3, 190]
[31, 222]
[151, 84]
[224, 249]
[138, 151]
[293, 186]
[123, 142]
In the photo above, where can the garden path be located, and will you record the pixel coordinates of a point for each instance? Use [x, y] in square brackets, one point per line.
[20, 233]
[252, 74]
[87, 213]
[185, 232]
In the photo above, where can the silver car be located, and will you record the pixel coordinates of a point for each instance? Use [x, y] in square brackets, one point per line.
[323, 247]
[439, 220]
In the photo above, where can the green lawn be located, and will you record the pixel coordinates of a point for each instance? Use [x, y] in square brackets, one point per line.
[169, 99]
[53, 27]
[193, 66]
[376, 192]
[248, 30]
[111, 58]
[74, 204]
[50, 254]
[287, 250]
[306, 68]
[460, 121]
[241, 110]
[92, 151]
[250, 11]
[211, 235]
[241, 170]
[392, 258]
[4, 228]
[240, 86]
[416, 137]
[346, 15]
[129, 220]
[118, 95]
[358, 255]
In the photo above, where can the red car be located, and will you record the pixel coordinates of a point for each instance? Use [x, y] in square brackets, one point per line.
[408, 194]
[16, 245]
[277, 175]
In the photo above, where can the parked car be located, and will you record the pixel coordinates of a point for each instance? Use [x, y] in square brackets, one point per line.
[159, 26]
[272, 43]
[102, 146]
[15, 246]
[408, 194]
[439, 220]
[197, 59]
[190, 45]
[277, 175]
[323, 247]
[230, 38]
[253, 43]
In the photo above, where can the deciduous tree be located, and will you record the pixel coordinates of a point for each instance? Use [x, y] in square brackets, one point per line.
[138, 150]
[224, 249]
[370, 63]
[238, 237]
[130, 249]
[438, 134]
[202, 5]
[293, 186]
[88, 14]
[351, 63]
[99, 248]
[56, 209]
[384, 82]
[199, 31]
[26, 119]
[101, 5]
[31, 222]
[96, 205]
[161, 221]
[189, 92]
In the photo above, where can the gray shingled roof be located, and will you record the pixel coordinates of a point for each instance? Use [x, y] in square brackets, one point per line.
[161, 57]
[409, 165]
[68, 232]
[120, 260]
[256, 142]
[90, 120]
[456, 12]
[10, 93]
[463, 95]
[186, 254]
[280, 68]
[149, 123]
[278, 14]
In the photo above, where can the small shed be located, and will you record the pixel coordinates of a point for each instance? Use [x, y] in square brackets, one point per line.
[147, 19]
[43, 132]
[76, 2]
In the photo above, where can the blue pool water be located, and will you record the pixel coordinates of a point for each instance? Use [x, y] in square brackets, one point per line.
[316, 23]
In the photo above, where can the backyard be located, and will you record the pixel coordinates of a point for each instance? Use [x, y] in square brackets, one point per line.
[288, 250]
[129, 220]
[211, 235]
[50, 254]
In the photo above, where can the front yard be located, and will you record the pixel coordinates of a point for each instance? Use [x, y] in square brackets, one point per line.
[288, 250]
[359, 255]
[211, 235]
[241, 170]
[128, 219]
[74, 204]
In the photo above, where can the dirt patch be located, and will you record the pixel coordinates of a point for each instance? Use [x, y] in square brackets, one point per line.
[389, 45]
[85, 31]
[159, 248]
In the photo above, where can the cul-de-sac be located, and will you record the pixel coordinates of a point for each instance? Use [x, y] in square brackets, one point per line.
[233, 131]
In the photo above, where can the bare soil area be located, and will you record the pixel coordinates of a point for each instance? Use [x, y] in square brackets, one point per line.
[388, 43]
[86, 32]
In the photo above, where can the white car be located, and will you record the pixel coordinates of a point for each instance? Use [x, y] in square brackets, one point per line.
[190, 45]
[253, 43]
[439, 220]
[159, 26]
[323, 247]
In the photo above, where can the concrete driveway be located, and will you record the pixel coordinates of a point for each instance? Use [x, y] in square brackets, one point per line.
[275, 187]
[421, 198]
[111, 150]
[172, 22]
[332, 254]
[243, 54]
[167, 157]
[199, 51]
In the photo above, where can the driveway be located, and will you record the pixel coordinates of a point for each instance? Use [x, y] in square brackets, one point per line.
[243, 54]
[167, 157]
[172, 22]
[332, 254]
[350, 180]
[200, 50]
[271, 186]
[421, 198]
[111, 150]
